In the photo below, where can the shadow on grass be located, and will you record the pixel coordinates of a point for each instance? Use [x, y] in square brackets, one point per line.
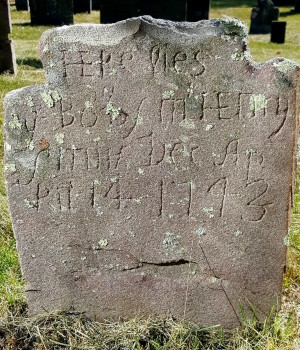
[32, 62]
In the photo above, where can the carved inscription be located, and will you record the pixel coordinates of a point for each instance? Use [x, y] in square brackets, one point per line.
[143, 152]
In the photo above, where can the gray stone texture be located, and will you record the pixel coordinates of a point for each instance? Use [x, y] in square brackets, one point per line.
[153, 173]
[22, 5]
[7, 56]
[51, 12]
[262, 17]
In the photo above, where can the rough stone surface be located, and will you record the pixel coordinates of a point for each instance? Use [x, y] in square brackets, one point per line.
[154, 172]
[22, 5]
[80, 6]
[262, 17]
[7, 56]
[56, 12]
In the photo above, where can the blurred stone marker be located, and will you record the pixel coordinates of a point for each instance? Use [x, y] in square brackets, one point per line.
[96, 4]
[112, 11]
[81, 6]
[22, 5]
[197, 10]
[51, 12]
[153, 173]
[262, 17]
[7, 55]
[283, 2]
[117, 10]
[174, 10]
[278, 32]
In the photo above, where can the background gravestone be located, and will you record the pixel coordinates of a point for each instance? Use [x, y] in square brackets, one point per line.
[117, 10]
[153, 173]
[197, 10]
[7, 56]
[262, 17]
[284, 2]
[80, 6]
[96, 4]
[56, 12]
[22, 5]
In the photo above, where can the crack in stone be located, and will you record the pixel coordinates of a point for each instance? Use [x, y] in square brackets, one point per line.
[221, 282]
[170, 263]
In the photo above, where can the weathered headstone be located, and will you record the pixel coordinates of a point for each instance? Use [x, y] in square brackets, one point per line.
[153, 173]
[197, 10]
[262, 17]
[22, 5]
[80, 6]
[278, 32]
[7, 55]
[54, 12]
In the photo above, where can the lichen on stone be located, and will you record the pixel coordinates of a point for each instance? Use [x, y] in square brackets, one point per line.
[113, 111]
[60, 138]
[50, 97]
[103, 242]
[29, 101]
[201, 231]
[10, 167]
[88, 104]
[257, 103]
[187, 124]
[15, 122]
[285, 66]
[171, 241]
[30, 204]
[234, 27]
[168, 94]
[209, 212]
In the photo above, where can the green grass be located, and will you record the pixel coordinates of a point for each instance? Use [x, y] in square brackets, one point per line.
[61, 331]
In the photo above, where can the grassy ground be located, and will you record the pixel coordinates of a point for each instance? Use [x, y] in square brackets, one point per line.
[77, 332]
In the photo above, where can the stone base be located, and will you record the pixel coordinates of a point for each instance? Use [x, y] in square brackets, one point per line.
[7, 57]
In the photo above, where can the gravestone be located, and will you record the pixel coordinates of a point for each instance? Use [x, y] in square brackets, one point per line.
[80, 6]
[174, 10]
[51, 12]
[153, 173]
[278, 32]
[7, 55]
[22, 5]
[283, 2]
[96, 4]
[197, 10]
[262, 17]
[117, 10]
[112, 11]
